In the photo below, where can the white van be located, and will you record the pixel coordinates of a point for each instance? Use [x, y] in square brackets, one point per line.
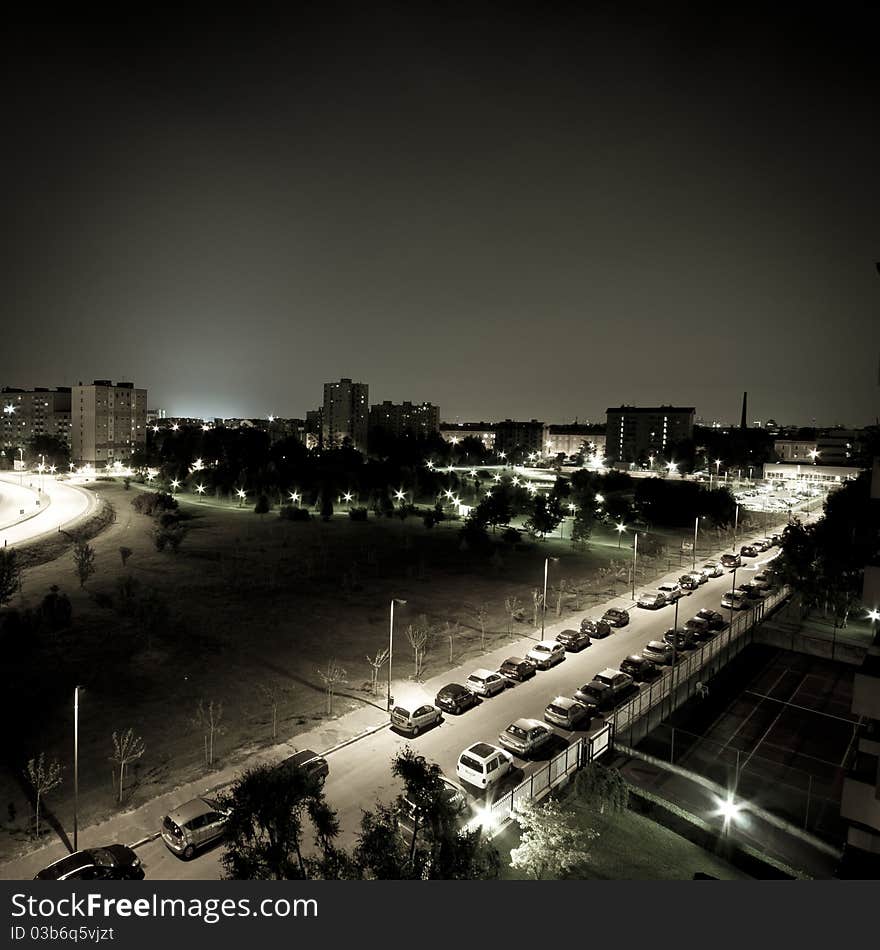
[483, 765]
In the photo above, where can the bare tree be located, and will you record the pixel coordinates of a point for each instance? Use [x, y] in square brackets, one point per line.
[560, 593]
[10, 575]
[418, 634]
[332, 676]
[513, 608]
[537, 604]
[84, 561]
[452, 631]
[481, 613]
[376, 663]
[209, 720]
[44, 777]
[274, 694]
[127, 747]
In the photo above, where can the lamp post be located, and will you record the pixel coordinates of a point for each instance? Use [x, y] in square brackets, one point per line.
[620, 528]
[696, 527]
[394, 600]
[735, 523]
[547, 561]
[635, 555]
[76, 690]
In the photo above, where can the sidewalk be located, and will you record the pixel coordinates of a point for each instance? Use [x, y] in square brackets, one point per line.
[141, 824]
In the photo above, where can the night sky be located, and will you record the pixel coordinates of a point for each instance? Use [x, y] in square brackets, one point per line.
[523, 210]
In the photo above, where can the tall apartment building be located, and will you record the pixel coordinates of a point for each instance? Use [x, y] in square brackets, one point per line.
[345, 414]
[456, 431]
[634, 433]
[520, 439]
[574, 439]
[108, 423]
[27, 413]
[421, 419]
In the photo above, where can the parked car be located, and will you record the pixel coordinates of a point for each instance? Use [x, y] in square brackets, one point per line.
[713, 618]
[639, 668]
[113, 862]
[616, 617]
[485, 682]
[686, 582]
[681, 638]
[547, 653]
[310, 762]
[573, 640]
[713, 569]
[731, 560]
[454, 795]
[455, 698]
[775, 540]
[193, 825]
[517, 668]
[658, 651]
[652, 600]
[615, 680]
[752, 591]
[414, 721]
[748, 550]
[525, 736]
[597, 629]
[606, 689]
[569, 713]
[483, 765]
[734, 600]
[760, 545]
[763, 580]
[671, 591]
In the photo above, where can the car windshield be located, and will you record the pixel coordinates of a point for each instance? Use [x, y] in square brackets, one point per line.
[557, 710]
[400, 711]
[540, 648]
[517, 731]
[102, 857]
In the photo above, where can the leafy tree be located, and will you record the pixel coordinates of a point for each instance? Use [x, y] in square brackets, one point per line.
[582, 528]
[55, 609]
[269, 807]
[551, 844]
[10, 575]
[84, 561]
[546, 515]
[599, 786]
[326, 506]
[262, 505]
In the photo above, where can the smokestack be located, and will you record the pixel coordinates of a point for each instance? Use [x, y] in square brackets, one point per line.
[742, 423]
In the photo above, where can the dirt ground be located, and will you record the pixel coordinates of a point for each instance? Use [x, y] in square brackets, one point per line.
[253, 607]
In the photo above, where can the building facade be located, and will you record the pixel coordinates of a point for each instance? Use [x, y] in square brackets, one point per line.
[345, 414]
[421, 419]
[795, 450]
[28, 413]
[108, 422]
[634, 433]
[575, 439]
[518, 440]
[456, 431]
[820, 476]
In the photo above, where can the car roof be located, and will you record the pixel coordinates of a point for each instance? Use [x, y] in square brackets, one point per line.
[658, 643]
[550, 644]
[565, 701]
[67, 865]
[481, 750]
[191, 809]
[482, 673]
[454, 688]
[527, 723]
[608, 671]
[513, 659]
[306, 755]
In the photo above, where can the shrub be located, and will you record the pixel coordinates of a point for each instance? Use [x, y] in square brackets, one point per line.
[357, 514]
[152, 503]
[291, 513]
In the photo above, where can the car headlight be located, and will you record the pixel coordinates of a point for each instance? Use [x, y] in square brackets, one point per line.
[136, 863]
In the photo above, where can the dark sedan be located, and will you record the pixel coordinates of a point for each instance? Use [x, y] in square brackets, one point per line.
[454, 698]
[595, 628]
[715, 620]
[115, 862]
[639, 668]
[681, 639]
[573, 640]
[616, 616]
[516, 668]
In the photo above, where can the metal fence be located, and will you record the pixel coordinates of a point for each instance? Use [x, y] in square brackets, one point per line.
[553, 773]
[710, 655]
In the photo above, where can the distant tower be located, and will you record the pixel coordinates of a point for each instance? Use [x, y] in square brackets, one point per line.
[742, 421]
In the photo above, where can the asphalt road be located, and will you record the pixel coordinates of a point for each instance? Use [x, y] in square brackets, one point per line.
[360, 773]
[66, 503]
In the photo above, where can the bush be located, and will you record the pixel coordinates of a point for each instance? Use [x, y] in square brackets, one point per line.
[291, 513]
[153, 503]
[262, 505]
[357, 514]
[511, 536]
[55, 610]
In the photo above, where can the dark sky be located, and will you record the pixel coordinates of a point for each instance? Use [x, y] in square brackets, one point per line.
[509, 210]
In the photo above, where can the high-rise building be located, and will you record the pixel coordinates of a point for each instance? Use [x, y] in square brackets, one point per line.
[518, 440]
[405, 418]
[108, 423]
[634, 433]
[28, 413]
[345, 414]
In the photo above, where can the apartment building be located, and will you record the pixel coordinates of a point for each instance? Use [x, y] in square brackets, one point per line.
[108, 422]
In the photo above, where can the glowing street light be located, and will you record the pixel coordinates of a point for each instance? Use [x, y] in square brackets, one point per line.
[271, 418]
[572, 507]
[395, 600]
[241, 495]
[473, 473]
[600, 498]
[620, 528]
[294, 497]
[175, 484]
[9, 409]
[200, 489]
[400, 495]
[497, 477]
[814, 454]
[729, 809]
[205, 427]
[174, 427]
[429, 465]
[671, 467]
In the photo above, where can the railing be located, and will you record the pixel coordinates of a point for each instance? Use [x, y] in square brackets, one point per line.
[697, 660]
[553, 773]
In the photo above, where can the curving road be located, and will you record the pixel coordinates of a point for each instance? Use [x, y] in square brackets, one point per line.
[60, 504]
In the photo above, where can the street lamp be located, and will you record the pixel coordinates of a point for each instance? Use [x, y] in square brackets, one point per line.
[620, 529]
[241, 495]
[671, 467]
[394, 600]
[696, 528]
[175, 484]
[635, 556]
[547, 561]
[294, 497]
[76, 690]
